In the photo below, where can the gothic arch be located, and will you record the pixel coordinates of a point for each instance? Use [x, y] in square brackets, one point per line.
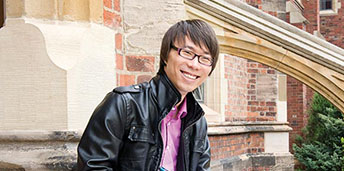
[249, 33]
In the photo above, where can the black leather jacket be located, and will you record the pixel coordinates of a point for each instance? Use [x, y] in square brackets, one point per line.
[124, 130]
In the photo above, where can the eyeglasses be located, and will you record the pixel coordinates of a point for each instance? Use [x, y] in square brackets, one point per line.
[187, 54]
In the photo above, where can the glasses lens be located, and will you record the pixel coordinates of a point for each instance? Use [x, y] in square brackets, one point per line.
[205, 60]
[186, 54]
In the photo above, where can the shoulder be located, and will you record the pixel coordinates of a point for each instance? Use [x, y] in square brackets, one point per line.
[136, 88]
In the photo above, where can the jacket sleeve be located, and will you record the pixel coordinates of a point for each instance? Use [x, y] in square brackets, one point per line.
[101, 141]
[204, 161]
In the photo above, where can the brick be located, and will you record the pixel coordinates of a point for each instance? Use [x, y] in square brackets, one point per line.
[262, 66]
[119, 61]
[118, 41]
[111, 19]
[107, 3]
[143, 78]
[140, 63]
[251, 92]
[117, 6]
[256, 103]
[252, 70]
[271, 71]
[126, 80]
[270, 103]
[252, 81]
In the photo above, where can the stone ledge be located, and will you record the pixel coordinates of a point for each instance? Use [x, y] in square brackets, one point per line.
[32, 136]
[272, 161]
[4, 166]
[245, 127]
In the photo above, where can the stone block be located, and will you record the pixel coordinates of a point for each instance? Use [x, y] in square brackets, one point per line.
[96, 11]
[33, 88]
[14, 8]
[40, 9]
[144, 27]
[75, 10]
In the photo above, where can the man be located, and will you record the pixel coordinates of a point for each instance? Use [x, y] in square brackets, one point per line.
[157, 125]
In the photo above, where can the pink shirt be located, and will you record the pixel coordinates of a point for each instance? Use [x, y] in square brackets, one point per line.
[170, 132]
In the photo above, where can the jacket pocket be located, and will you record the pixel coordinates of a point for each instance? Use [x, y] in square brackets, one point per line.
[139, 133]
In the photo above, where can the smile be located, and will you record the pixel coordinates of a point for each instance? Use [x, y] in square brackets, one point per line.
[190, 76]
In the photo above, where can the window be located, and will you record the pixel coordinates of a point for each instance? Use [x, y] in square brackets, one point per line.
[329, 7]
[199, 93]
[325, 4]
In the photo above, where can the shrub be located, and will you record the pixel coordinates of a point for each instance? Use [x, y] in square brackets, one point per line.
[321, 146]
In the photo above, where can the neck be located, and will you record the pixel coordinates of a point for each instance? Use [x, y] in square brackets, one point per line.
[182, 99]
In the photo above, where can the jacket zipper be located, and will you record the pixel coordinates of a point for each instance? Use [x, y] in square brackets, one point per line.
[193, 123]
[159, 129]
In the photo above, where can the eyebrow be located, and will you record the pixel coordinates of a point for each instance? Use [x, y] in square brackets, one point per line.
[192, 48]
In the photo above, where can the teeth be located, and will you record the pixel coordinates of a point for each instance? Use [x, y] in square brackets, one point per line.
[190, 76]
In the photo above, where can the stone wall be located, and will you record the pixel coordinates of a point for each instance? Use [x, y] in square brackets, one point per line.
[99, 45]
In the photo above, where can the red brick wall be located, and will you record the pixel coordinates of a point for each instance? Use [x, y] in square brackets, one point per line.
[310, 13]
[299, 97]
[331, 27]
[237, 78]
[255, 3]
[227, 146]
[245, 103]
[261, 95]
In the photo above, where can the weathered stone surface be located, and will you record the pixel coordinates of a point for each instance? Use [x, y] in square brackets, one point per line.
[10, 167]
[43, 150]
[270, 161]
[33, 88]
[266, 87]
[96, 11]
[75, 10]
[144, 27]
[14, 8]
[40, 8]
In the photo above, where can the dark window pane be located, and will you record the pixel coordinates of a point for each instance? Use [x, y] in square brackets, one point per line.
[325, 4]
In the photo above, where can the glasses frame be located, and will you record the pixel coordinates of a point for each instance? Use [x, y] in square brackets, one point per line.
[195, 55]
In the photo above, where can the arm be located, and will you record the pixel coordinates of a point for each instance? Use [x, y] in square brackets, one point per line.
[101, 141]
[204, 161]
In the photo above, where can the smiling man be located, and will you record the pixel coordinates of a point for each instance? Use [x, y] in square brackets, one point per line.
[157, 125]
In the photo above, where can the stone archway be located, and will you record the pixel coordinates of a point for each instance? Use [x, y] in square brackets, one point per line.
[249, 33]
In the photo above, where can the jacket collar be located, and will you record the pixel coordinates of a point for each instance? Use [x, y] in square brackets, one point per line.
[168, 96]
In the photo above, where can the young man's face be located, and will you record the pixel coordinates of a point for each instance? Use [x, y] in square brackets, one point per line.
[186, 75]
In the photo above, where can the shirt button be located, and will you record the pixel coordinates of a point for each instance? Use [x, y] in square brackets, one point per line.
[173, 108]
[169, 123]
[168, 147]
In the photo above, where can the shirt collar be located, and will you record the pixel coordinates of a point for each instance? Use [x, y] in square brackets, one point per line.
[182, 109]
